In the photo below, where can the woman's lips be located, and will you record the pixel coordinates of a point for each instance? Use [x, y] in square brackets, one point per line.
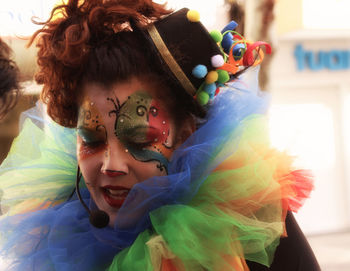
[115, 195]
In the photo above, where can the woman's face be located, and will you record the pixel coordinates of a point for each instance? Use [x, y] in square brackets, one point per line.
[125, 136]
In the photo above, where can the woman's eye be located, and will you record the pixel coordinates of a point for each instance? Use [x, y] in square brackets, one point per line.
[139, 145]
[93, 144]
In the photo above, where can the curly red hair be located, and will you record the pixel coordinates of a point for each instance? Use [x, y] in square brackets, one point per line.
[71, 37]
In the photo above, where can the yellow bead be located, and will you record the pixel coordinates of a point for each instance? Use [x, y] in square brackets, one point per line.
[193, 16]
[211, 77]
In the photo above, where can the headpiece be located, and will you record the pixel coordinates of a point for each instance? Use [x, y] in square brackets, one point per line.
[202, 61]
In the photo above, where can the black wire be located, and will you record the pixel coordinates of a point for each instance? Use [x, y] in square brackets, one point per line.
[78, 192]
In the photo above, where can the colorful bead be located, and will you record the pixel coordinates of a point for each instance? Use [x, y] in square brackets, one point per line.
[211, 77]
[217, 61]
[223, 76]
[202, 98]
[216, 35]
[193, 16]
[210, 88]
[200, 71]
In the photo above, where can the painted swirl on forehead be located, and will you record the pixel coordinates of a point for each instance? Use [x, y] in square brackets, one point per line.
[91, 130]
[143, 127]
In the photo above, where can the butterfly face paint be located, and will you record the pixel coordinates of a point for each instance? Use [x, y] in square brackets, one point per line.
[143, 127]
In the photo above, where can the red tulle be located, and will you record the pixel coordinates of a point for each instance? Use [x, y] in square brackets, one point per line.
[302, 186]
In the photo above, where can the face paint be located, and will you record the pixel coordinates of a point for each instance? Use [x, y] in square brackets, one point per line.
[142, 126]
[91, 130]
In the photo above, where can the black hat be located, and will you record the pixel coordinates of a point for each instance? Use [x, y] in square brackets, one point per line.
[201, 61]
[184, 43]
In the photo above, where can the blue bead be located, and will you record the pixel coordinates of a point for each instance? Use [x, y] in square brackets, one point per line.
[200, 71]
[231, 26]
[227, 42]
[237, 50]
[210, 89]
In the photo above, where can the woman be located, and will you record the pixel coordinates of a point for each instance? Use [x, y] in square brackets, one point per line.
[178, 176]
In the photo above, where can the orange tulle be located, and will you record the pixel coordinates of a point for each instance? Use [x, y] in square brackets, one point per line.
[167, 265]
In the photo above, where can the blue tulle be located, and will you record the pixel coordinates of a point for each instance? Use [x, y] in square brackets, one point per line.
[61, 237]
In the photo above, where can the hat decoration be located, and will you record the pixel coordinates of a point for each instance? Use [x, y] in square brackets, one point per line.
[202, 62]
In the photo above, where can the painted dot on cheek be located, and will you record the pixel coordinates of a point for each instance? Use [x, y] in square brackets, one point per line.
[126, 150]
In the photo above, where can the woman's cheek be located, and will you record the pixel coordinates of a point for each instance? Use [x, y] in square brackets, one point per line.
[89, 161]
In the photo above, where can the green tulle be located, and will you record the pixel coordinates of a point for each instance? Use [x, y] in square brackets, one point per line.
[135, 257]
[45, 162]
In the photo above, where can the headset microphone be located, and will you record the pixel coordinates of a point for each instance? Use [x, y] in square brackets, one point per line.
[97, 218]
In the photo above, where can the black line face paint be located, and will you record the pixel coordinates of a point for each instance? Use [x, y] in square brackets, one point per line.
[143, 127]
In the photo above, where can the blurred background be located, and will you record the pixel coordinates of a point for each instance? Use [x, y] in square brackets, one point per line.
[308, 77]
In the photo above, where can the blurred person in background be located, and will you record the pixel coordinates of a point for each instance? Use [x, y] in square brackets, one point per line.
[9, 80]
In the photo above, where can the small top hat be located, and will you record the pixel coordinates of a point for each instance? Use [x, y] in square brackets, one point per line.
[199, 60]
[183, 44]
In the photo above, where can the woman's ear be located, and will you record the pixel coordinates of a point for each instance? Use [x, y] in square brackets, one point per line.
[185, 130]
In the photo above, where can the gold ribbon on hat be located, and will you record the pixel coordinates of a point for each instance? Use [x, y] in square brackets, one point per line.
[170, 60]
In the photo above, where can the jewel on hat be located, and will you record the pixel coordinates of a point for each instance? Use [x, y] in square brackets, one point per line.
[200, 71]
[202, 98]
[217, 61]
[216, 35]
[211, 77]
[223, 76]
[193, 16]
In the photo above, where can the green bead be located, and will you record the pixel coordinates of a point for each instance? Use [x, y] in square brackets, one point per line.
[202, 98]
[216, 35]
[223, 76]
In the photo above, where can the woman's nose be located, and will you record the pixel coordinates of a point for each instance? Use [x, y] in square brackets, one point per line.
[115, 160]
